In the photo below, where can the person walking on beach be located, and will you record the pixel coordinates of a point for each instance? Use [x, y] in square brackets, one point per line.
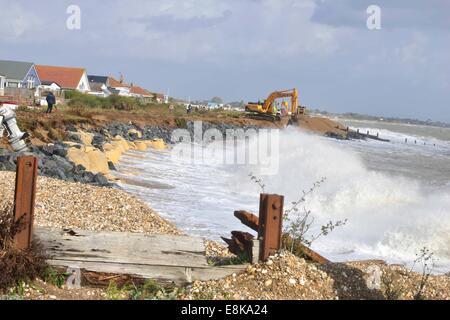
[51, 101]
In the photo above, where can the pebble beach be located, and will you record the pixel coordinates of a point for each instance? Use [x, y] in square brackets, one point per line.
[72, 205]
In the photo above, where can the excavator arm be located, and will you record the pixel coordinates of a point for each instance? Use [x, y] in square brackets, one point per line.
[267, 107]
[293, 94]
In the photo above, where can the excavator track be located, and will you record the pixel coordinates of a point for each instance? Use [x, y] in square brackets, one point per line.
[264, 116]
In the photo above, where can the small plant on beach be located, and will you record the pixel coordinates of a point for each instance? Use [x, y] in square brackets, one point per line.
[396, 286]
[258, 181]
[17, 266]
[148, 290]
[426, 259]
[55, 277]
[298, 220]
[114, 292]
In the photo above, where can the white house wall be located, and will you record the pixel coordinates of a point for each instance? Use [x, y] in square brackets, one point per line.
[2, 85]
[83, 85]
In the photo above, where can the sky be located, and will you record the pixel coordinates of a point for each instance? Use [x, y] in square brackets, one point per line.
[245, 49]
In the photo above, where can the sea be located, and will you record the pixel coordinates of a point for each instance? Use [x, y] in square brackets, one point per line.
[394, 196]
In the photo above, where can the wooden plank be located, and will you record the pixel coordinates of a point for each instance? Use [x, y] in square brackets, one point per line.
[163, 274]
[122, 247]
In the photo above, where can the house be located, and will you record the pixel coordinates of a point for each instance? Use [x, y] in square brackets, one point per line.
[47, 86]
[119, 87]
[50, 86]
[160, 97]
[99, 86]
[68, 78]
[99, 90]
[138, 92]
[2, 85]
[213, 105]
[18, 74]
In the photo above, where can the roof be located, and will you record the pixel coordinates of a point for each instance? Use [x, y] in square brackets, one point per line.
[67, 78]
[113, 83]
[98, 79]
[141, 91]
[15, 70]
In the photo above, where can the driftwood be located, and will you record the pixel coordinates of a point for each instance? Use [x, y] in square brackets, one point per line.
[239, 242]
[248, 219]
[234, 245]
[244, 237]
[300, 250]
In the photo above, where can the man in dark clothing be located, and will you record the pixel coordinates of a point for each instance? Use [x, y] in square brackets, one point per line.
[51, 101]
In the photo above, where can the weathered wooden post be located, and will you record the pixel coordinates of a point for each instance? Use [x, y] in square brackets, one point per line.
[24, 197]
[270, 224]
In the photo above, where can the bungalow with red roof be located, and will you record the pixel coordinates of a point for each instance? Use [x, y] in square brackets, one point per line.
[160, 97]
[136, 91]
[118, 87]
[67, 78]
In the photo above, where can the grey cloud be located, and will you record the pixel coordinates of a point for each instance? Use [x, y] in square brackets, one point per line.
[412, 14]
[168, 23]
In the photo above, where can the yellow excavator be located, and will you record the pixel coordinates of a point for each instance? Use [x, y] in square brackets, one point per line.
[267, 110]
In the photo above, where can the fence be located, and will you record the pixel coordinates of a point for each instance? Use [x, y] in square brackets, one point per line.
[19, 94]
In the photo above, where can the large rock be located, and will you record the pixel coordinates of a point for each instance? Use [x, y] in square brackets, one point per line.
[141, 145]
[135, 134]
[113, 152]
[90, 158]
[121, 142]
[157, 144]
[81, 137]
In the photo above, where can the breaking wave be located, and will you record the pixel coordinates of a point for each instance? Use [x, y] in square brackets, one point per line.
[390, 215]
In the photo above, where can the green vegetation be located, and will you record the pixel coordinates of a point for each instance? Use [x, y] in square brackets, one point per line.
[55, 277]
[149, 290]
[77, 99]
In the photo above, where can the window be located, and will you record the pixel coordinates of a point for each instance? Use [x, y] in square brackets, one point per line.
[30, 82]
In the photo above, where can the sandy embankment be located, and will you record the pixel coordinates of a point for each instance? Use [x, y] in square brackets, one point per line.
[96, 160]
[321, 125]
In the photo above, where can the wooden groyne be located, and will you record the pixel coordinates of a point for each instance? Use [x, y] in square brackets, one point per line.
[164, 258]
[351, 134]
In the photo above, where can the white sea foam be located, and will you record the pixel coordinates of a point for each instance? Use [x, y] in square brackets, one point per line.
[390, 215]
